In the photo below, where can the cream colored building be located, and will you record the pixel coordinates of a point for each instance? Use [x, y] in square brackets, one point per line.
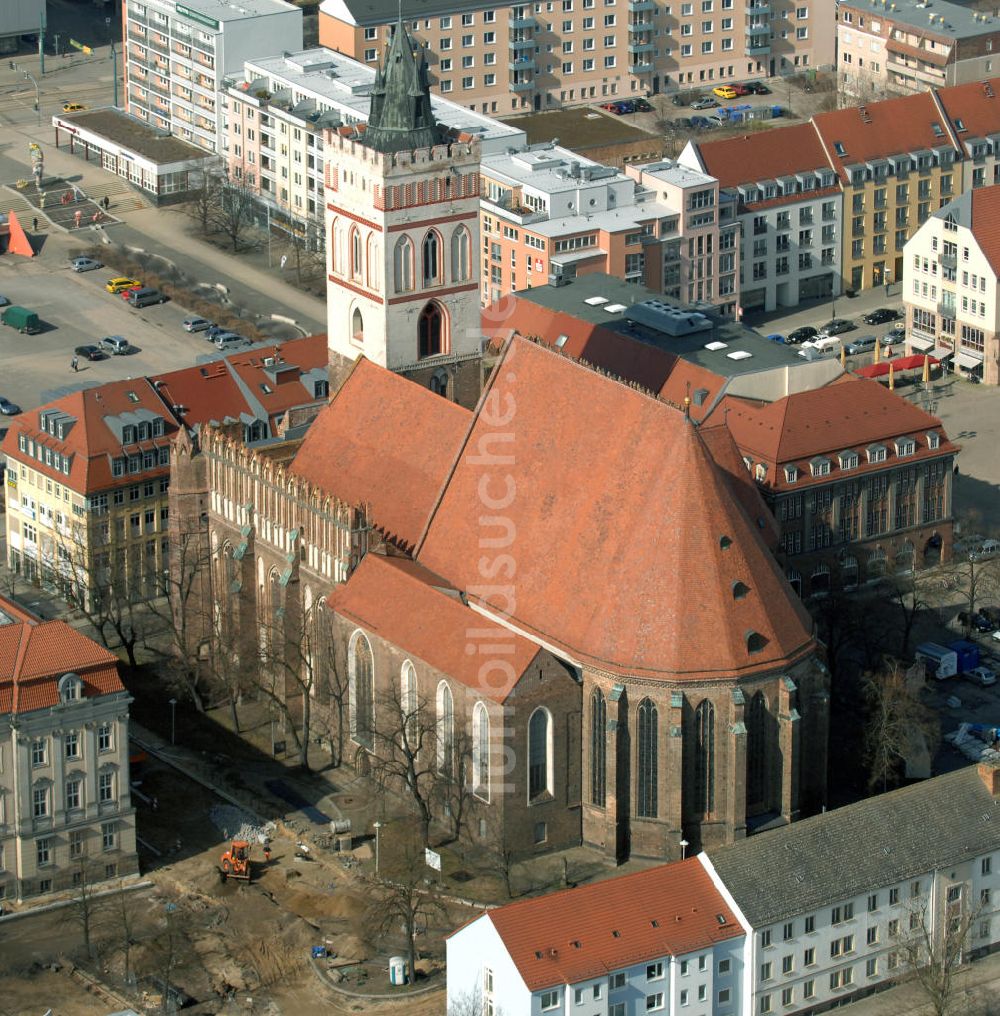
[544, 55]
[950, 285]
[66, 816]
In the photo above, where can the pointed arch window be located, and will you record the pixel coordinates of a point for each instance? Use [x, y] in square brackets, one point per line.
[373, 268]
[598, 748]
[445, 729]
[481, 751]
[647, 783]
[408, 703]
[357, 256]
[431, 331]
[539, 754]
[704, 774]
[357, 327]
[361, 687]
[461, 255]
[431, 258]
[402, 265]
[757, 750]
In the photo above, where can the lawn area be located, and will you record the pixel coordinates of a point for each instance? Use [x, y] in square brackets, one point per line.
[578, 128]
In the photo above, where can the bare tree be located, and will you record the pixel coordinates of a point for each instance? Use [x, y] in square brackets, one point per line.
[454, 788]
[84, 905]
[494, 854]
[124, 916]
[936, 943]
[202, 204]
[909, 592]
[401, 900]
[973, 577]
[236, 210]
[896, 722]
[306, 253]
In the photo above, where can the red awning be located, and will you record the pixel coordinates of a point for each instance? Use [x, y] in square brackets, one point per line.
[914, 362]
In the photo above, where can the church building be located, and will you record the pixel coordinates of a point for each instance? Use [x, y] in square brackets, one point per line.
[561, 577]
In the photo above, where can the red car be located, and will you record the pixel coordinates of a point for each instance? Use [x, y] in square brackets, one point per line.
[126, 293]
[742, 89]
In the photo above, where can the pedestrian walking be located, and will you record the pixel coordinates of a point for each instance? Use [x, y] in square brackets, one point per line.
[267, 851]
[34, 224]
[107, 202]
[74, 364]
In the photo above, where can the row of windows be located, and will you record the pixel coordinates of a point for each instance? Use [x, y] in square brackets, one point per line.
[152, 459]
[73, 795]
[72, 742]
[38, 451]
[45, 847]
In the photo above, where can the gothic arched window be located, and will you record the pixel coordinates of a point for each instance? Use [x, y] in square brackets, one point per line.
[431, 257]
[704, 758]
[431, 331]
[646, 804]
[361, 685]
[445, 729]
[598, 747]
[481, 751]
[461, 255]
[357, 256]
[757, 751]
[539, 753]
[402, 265]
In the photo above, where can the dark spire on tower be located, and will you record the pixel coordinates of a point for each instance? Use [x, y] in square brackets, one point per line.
[401, 118]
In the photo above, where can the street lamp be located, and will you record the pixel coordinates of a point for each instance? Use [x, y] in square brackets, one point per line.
[377, 827]
[684, 847]
[173, 721]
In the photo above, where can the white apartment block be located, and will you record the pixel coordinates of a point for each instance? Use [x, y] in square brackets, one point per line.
[276, 112]
[178, 54]
[668, 943]
[951, 272]
[543, 55]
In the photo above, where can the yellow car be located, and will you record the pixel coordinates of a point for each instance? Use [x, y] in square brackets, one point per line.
[121, 284]
[725, 91]
[73, 107]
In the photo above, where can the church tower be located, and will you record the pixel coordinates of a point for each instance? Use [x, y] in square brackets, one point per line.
[402, 222]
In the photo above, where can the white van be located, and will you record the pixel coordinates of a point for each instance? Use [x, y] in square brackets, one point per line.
[820, 347]
[940, 661]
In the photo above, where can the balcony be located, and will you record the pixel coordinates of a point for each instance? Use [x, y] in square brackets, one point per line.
[640, 28]
[758, 10]
[521, 45]
[758, 28]
[756, 46]
[641, 6]
[156, 46]
[640, 68]
[948, 260]
[523, 64]
[526, 24]
[946, 310]
[638, 49]
[522, 85]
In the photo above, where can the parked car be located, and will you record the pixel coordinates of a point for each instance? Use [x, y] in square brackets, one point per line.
[975, 621]
[758, 88]
[836, 327]
[90, 352]
[73, 107]
[984, 549]
[119, 283]
[982, 676]
[725, 91]
[701, 122]
[802, 334]
[742, 89]
[862, 344]
[84, 264]
[896, 333]
[704, 102]
[4, 301]
[196, 324]
[115, 345]
[229, 340]
[778, 337]
[642, 106]
[214, 331]
[880, 316]
[9, 408]
[677, 99]
[126, 294]
[145, 296]
[24, 320]
[681, 123]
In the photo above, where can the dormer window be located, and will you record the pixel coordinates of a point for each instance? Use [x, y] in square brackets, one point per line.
[158, 427]
[740, 590]
[748, 463]
[70, 688]
[905, 446]
[760, 472]
[128, 434]
[791, 474]
[849, 460]
[819, 466]
[876, 453]
[933, 440]
[755, 642]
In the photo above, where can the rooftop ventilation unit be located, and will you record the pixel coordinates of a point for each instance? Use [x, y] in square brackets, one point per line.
[666, 318]
[739, 354]
[596, 301]
[714, 347]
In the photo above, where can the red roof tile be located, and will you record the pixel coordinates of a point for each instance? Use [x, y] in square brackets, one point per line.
[986, 223]
[977, 106]
[617, 533]
[891, 127]
[764, 155]
[584, 933]
[402, 602]
[385, 442]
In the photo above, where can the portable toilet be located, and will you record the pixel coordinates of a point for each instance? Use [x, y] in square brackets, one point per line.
[397, 970]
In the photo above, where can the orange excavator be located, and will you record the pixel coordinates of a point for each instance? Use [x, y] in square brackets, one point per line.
[235, 862]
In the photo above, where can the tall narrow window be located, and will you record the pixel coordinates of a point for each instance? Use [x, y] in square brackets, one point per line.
[704, 774]
[402, 264]
[361, 687]
[357, 258]
[431, 259]
[430, 331]
[460, 255]
[539, 751]
[445, 729]
[481, 751]
[757, 752]
[598, 747]
[358, 327]
[408, 704]
[648, 769]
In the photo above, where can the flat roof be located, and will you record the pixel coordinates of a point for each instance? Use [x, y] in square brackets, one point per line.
[613, 220]
[136, 135]
[381, 12]
[226, 10]
[959, 22]
[580, 128]
[676, 174]
[343, 84]
[573, 298]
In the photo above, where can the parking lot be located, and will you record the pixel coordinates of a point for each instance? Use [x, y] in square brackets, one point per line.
[74, 309]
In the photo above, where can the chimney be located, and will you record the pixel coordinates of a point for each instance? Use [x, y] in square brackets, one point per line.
[989, 773]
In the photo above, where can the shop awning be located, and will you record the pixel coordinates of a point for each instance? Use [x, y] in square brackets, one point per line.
[943, 352]
[969, 360]
[916, 342]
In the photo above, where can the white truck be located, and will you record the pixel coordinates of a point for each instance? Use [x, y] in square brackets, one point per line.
[940, 661]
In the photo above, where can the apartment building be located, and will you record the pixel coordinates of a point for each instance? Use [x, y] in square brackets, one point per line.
[950, 284]
[178, 54]
[276, 112]
[66, 816]
[972, 114]
[87, 479]
[658, 940]
[859, 480]
[909, 46]
[536, 56]
[896, 163]
[788, 206]
[831, 909]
